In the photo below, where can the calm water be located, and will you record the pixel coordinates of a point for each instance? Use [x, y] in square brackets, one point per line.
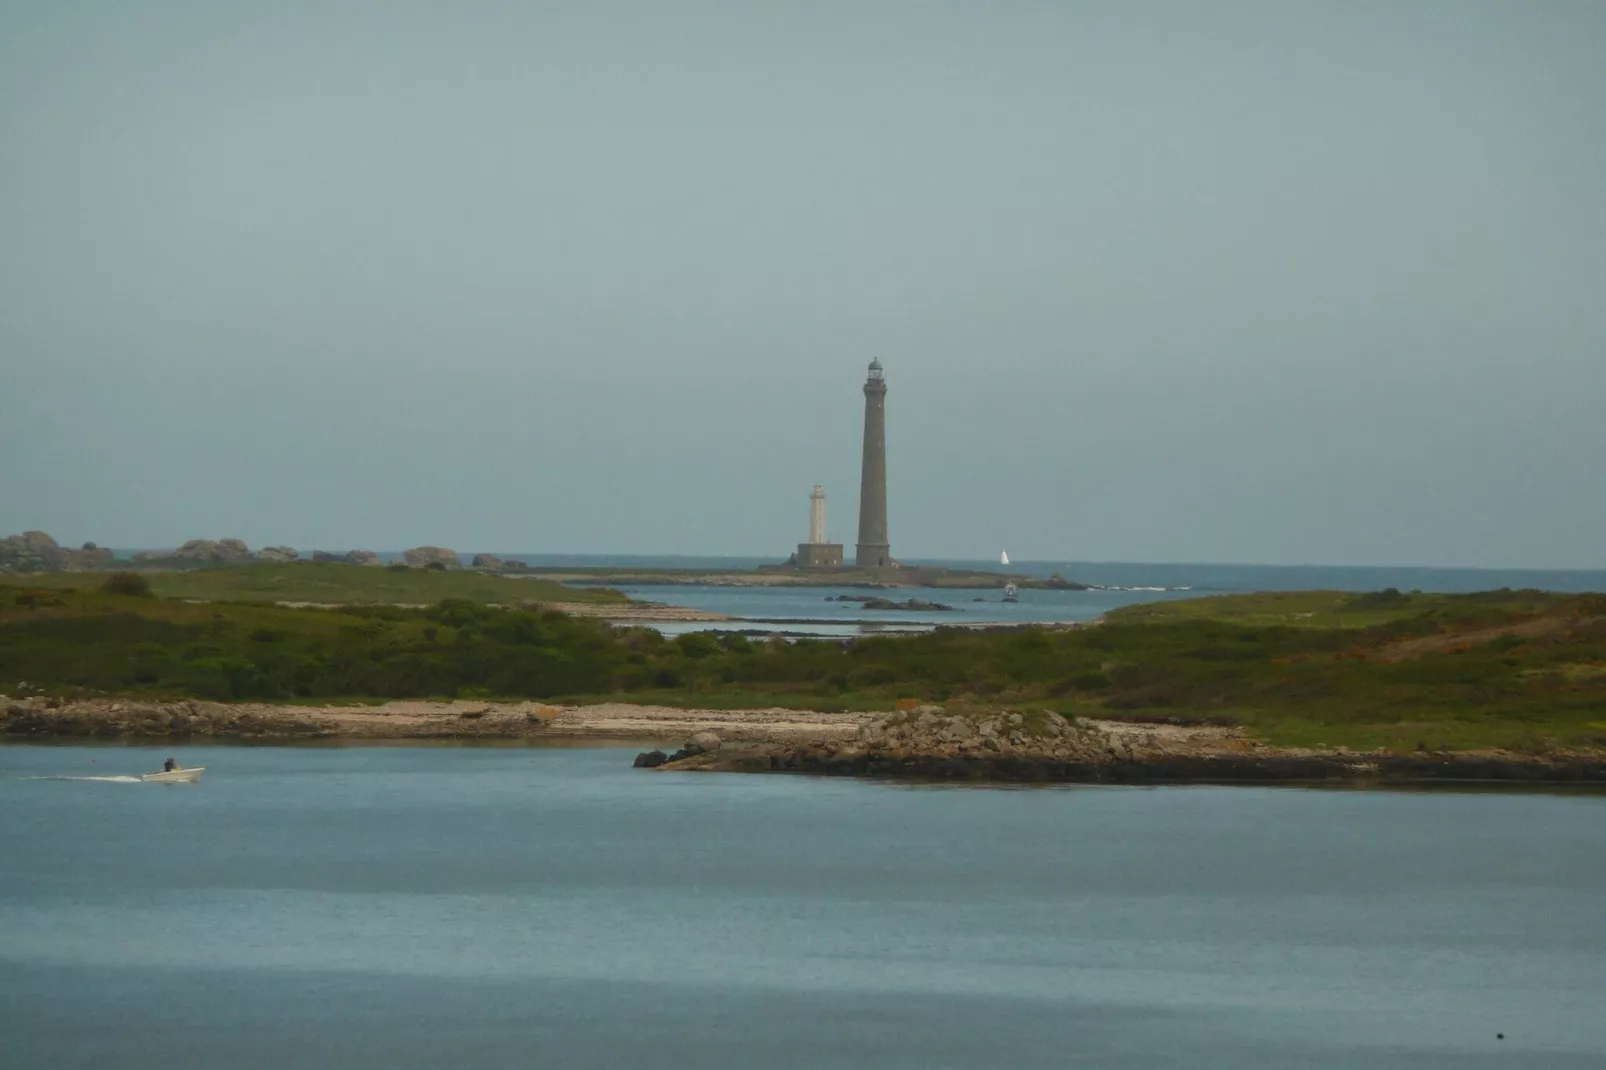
[425, 907]
[1126, 584]
[1203, 577]
[805, 610]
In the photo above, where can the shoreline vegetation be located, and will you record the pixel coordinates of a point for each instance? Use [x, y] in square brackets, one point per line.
[304, 583]
[1386, 686]
[215, 568]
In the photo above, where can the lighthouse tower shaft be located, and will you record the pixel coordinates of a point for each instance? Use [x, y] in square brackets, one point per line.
[874, 549]
[817, 553]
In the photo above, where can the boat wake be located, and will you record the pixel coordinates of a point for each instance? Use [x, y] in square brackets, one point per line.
[102, 779]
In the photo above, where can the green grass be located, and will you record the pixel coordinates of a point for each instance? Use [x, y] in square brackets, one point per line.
[1517, 670]
[1524, 733]
[1294, 609]
[340, 584]
[1327, 609]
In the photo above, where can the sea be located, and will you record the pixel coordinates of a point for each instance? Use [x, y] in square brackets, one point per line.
[459, 906]
[1146, 576]
[817, 611]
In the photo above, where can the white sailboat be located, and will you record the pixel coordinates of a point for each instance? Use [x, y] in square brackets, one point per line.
[1003, 558]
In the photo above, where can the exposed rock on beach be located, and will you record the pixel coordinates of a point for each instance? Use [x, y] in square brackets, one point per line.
[1034, 746]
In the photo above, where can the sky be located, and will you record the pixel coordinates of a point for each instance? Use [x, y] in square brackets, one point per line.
[1274, 282]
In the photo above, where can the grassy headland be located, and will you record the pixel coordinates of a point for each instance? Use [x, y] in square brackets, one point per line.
[339, 584]
[1515, 670]
[1331, 609]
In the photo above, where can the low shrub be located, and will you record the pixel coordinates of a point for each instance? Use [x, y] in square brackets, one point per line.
[130, 584]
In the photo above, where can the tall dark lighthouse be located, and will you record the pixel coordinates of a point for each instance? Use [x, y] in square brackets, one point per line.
[874, 550]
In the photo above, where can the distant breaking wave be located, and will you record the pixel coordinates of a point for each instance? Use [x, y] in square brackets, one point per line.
[105, 780]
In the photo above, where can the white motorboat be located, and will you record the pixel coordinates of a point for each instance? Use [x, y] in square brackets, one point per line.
[175, 776]
[1011, 593]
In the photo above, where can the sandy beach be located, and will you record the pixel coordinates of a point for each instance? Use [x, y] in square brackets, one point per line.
[413, 719]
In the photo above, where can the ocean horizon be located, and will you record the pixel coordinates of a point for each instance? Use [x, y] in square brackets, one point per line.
[1201, 576]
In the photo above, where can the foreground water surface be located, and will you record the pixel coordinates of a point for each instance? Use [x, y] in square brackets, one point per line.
[491, 907]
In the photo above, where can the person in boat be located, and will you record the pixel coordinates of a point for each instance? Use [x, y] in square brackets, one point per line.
[169, 765]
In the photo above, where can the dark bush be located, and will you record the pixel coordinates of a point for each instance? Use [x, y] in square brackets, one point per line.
[697, 644]
[1387, 598]
[1082, 681]
[130, 584]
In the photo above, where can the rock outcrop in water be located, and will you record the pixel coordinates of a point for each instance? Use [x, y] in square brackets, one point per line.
[698, 744]
[911, 605]
[915, 605]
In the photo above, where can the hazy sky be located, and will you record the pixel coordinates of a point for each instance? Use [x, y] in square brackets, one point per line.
[1267, 282]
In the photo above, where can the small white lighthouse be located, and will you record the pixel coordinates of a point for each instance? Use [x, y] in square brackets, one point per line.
[817, 515]
[817, 553]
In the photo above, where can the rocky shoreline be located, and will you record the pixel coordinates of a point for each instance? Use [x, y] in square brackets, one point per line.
[1358, 770]
[926, 743]
[929, 744]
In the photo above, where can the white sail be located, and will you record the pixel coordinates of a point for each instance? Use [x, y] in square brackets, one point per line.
[1003, 558]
